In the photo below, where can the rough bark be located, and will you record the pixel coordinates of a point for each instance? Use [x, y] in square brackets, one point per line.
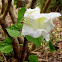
[14, 19]
[15, 42]
[4, 25]
[25, 47]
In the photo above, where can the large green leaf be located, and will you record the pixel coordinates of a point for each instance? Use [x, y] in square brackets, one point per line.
[36, 41]
[51, 47]
[21, 14]
[17, 26]
[14, 30]
[33, 58]
[5, 46]
[7, 49]
[13, 33]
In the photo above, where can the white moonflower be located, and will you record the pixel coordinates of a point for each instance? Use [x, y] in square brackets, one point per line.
[37, 24]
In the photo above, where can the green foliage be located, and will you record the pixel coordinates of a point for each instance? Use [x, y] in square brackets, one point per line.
[40, 3]
[36, 41]
[33, 58]
[14, 33]
[6, 42]
[25, 61]
[56, 5]
[17, 26]
[5, 46]
[14, 30]
[7, 49]
[21, 14]
[15, 1]
[56, 2]
[51, 47]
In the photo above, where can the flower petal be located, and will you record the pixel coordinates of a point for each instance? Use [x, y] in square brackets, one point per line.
[37, 24]
[54, 14]
[27, 30]
[29, 11]
[50, 15]
[46, 35]
[32, 18]
[48, 26]
[37, 10]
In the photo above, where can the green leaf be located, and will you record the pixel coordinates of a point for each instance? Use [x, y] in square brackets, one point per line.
[14, 30]
[51, 47]
[5, 46]
[6, 42]
[33, 58]
[25, 61]
[17, 26]
[7, 49]
[21, 14]
[36, 41]
[13, 33]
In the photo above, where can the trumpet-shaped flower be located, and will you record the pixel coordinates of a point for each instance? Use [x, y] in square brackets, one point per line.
[37, 24]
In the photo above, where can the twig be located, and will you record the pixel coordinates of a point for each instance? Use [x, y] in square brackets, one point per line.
[3, 56]
[29, 4]
[42, 4]
[46, 6]
[57, 8]
[33, 4]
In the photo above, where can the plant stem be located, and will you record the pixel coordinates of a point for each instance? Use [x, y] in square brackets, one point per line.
[46, 6]
[5, 25]
[25, 47]
[13, 16]
[33, 4]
